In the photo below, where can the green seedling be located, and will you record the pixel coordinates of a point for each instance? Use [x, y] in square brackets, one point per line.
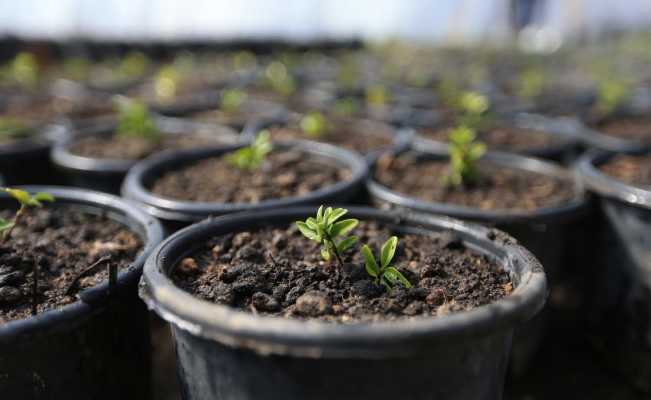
[133, 65]
[253, 155]
[279, 79]
[166, 83]
[76, 68]
[12, 128]
[135, 121]
[531, 83]
[326, 228]
[383, 272]
[24, 70]
[464, 154]
[611, 94]
[314, 125]
[376, 96]
[26, 202]
[472, 107]
[232, 100]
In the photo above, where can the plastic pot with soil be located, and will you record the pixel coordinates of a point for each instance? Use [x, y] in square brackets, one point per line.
[257, 313]
[99, 156]
[366, 137]
[538, 202]
[25, 151]
[185, 187]
[71, 324]
[531, 135]
[236, 109]
[620, 296]
[623, 131]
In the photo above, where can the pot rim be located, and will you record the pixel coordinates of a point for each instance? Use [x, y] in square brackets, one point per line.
[607, 186]
[91, 299]
[560, 212]
[594, 137]
[274, 335]
[134, 188]
[64, 158]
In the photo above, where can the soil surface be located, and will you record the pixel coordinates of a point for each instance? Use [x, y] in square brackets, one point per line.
[279, 272]
[359, 137]
[285, 173]
[635, 170]
[499, 188]
[135, 148]
[63, 243]
[630, 128]
[503, 137]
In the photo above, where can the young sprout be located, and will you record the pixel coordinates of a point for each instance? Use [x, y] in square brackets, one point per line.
[346, 106]
[376, 95]
[464, 154]
[12, 128]
[531, 83]
[132, 65]
[279, 79]
[135, 121]
[314, 124]
[473, 107]
[26, 201]
[24, 69]
[325, 229]
[610, 95]
[166, 83]
[232, 100]
[253, 155]
[383, 272]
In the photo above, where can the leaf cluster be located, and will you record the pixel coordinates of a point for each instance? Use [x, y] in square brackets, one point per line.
[326, 228]
[26, 201]
[314, 124]
[232, 100]
[383, 272]
[253, 155]
[464, 154]
[135, 120]
[279, 79]
[611, 94]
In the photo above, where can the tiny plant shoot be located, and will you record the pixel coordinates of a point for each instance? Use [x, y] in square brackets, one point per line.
[383, 272]
[464, 154]
[232, 100]
[326, 229]
[531, 83]
[611, 94]
[314, 125]
[376, 96]
[24, 70]
[473, 107]
[253, 155]
[166, 83]
[26, 201]
[279, 79]
[135, 121]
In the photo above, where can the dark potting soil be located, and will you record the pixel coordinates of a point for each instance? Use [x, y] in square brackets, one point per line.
[348, 136]
[285, 173]
[630, 128]
[635, 170]
[63, 242]
[507, 138]
[499, 187]
[135, 148]
[279, 272]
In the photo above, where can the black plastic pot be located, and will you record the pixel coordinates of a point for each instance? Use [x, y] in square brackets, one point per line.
[229, 354]
[27, 161]
[593, 138]
[566, 150]
[177, 213]
[620, 288]
[249, 110]
[95, 348]
[544, 232]
[107, 174]
[402, 138]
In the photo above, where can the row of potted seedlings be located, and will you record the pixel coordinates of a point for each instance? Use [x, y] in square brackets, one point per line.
[256, 299]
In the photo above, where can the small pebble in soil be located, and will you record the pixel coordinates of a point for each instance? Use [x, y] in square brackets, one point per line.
[313, 304]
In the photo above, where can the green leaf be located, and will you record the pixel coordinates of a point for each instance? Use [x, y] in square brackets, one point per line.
[311, 222]
[388, 251]
[43, 196]
[342, 227]
[336, 214]
[22, 196]
[4, 224]
[369, 260]
[319, 214]
[394, 276]
[346, 244]
[306, 230]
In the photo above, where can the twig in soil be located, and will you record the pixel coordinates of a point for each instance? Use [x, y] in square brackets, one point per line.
[113, 279]
[35, 288]
[86, 271]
